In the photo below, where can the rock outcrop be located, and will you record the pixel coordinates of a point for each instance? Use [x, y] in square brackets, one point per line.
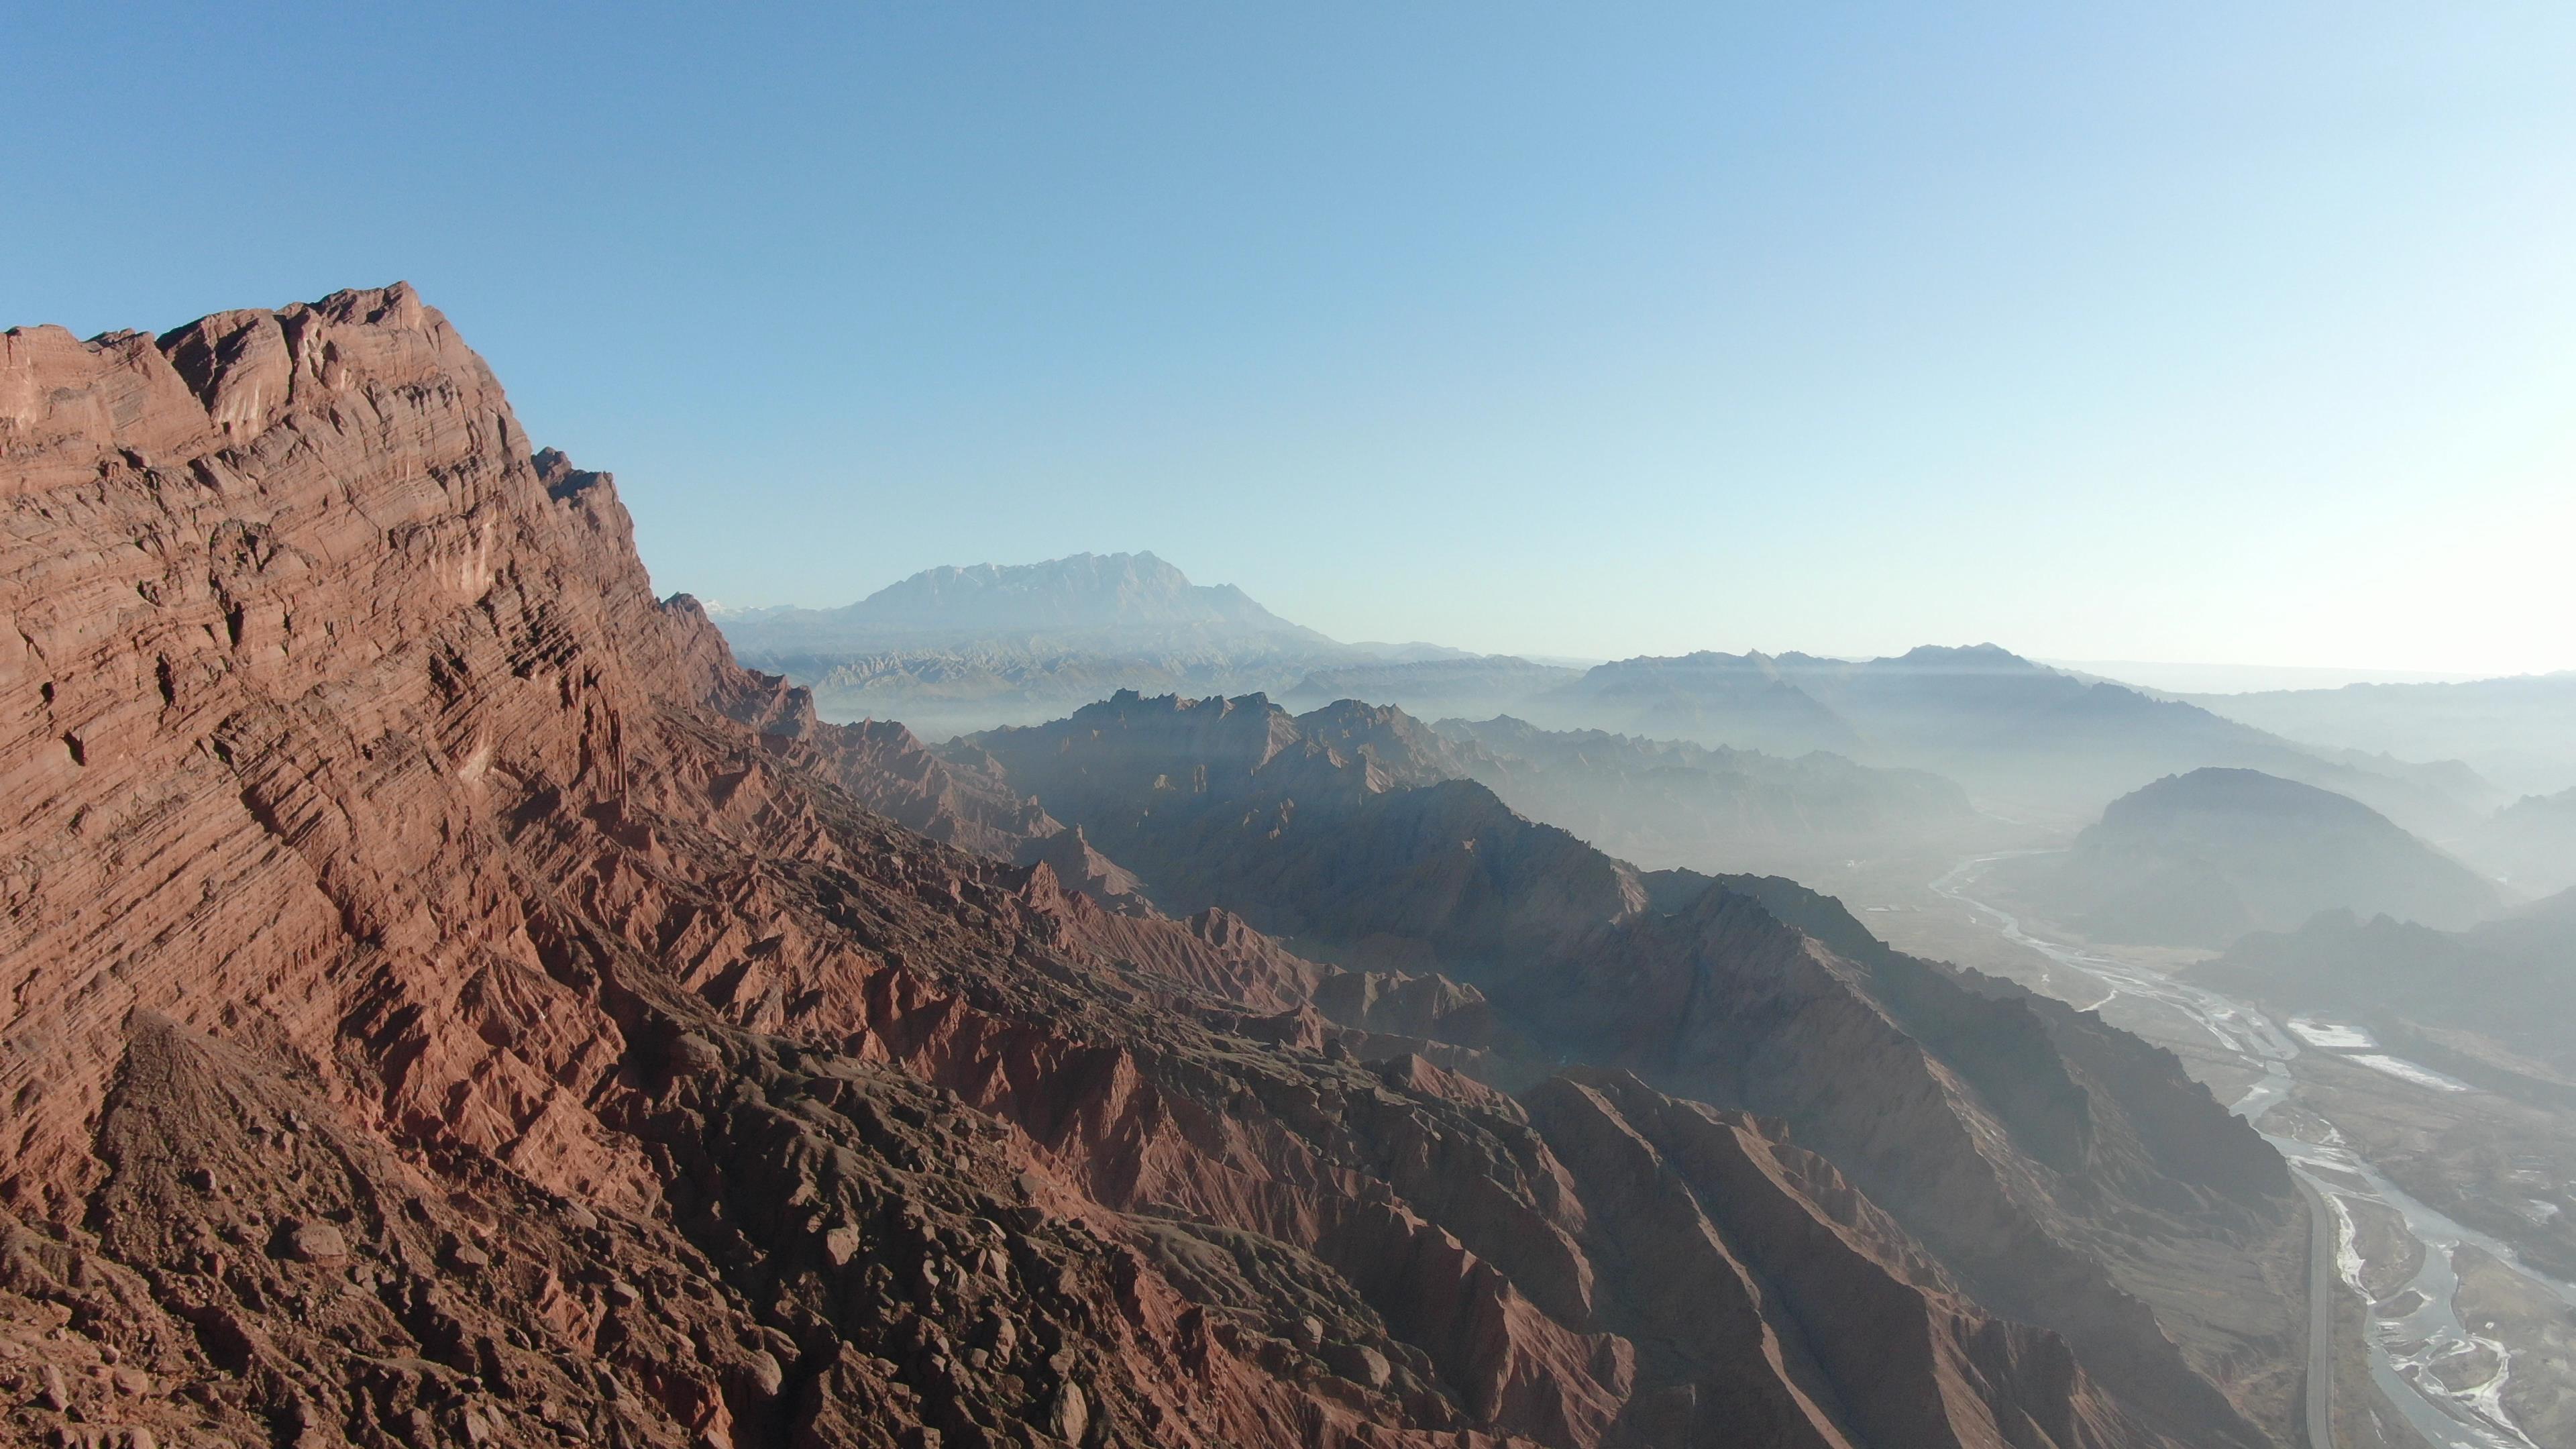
[449, 1002]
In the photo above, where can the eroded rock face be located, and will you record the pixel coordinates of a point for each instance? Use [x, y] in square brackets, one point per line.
[2067, 1174]
[447, 1001]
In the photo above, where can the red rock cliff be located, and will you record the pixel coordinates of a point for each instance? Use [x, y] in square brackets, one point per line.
[448, 1002]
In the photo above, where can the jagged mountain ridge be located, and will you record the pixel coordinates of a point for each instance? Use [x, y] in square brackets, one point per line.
[435, 966]
[1327, 830]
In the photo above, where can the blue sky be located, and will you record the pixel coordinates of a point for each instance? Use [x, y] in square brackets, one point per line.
[2179, 332]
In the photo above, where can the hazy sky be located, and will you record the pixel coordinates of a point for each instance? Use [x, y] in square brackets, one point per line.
[2238, 333]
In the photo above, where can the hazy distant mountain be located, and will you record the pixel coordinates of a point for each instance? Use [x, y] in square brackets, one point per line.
[2519, 731]
[1466, 684]
[2022, 735]
[2508, 983]
[1117, 602]
[1411, 652]
[1672, 803]
[955, 650]
[951, 650]
[1749, 701]
[2531, 842]
[2200, 859]
[2195, 679]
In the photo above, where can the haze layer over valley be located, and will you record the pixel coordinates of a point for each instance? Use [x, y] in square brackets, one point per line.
[954, 650]
[1290, 727]
[2381, 970]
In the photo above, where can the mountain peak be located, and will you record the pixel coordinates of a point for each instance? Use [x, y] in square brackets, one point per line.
[1966, 656]
[2236, 791]
[1133, 603]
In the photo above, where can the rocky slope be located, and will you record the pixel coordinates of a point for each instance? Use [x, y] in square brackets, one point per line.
[2065, 1172]
[449, 1002]
[2203, 858]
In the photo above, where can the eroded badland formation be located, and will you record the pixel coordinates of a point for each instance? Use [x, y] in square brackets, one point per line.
[448, 1002]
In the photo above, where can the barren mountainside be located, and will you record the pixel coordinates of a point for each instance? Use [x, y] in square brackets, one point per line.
[448, 1001]
[2200, 859]
[2003, 1129]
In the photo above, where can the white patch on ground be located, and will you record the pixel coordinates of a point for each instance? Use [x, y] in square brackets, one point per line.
[2406, 1071]
[2332, 1036]
[2486, 1401]
[2349, 1264]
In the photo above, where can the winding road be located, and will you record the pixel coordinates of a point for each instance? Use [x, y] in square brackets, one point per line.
[2322, 1238]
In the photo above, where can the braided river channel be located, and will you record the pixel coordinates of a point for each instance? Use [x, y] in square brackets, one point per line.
[2422, 1328]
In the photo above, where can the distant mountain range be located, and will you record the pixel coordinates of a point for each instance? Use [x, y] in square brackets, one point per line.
[2203, 858]
[2520, 732]
[1668, 803]
[1474, 684]
[1117, 603]
[2022, 736]
[954, 650]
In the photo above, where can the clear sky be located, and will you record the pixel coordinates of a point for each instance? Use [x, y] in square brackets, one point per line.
[2212, 332]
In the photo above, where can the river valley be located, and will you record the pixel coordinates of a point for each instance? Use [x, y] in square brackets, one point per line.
[2449, 1378]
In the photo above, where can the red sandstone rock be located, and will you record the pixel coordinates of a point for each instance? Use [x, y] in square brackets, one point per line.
[383, 862]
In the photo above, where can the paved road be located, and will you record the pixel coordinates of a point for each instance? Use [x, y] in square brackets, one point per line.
[2322, 1283]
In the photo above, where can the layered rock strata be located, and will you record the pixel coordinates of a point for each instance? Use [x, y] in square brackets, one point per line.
[448, 1002]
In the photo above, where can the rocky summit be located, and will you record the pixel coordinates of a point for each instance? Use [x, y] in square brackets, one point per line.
[448, 1001]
